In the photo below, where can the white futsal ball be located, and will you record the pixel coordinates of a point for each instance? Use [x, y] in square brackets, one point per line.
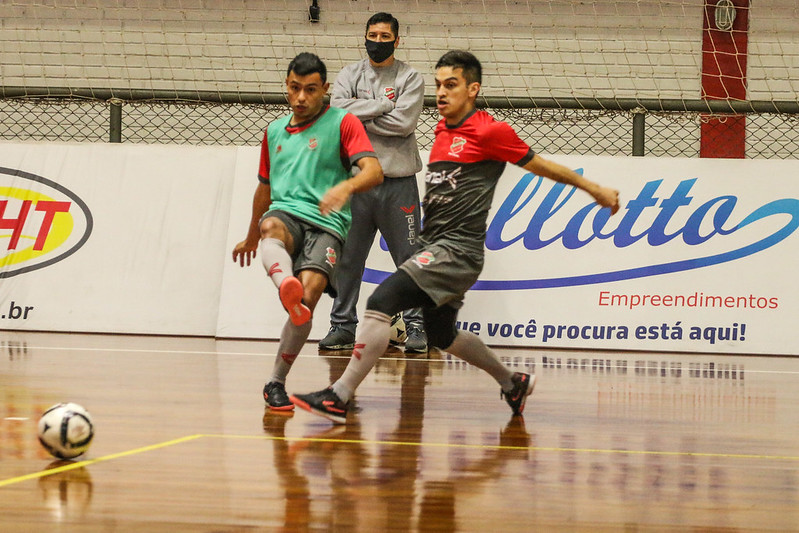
[398, 334]
[66, 430]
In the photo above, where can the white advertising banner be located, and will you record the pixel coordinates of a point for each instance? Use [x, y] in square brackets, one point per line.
[112, 238]
[139, 239]
[696, 260]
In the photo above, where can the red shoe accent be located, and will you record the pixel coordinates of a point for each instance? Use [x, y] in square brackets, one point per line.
[331, 407]
[291, 293]
[289, 407]
[299, 403]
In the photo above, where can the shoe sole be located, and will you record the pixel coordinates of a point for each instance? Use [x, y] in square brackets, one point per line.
[413, 350]
[305, 405]
[527, 393]
[291, 293]
[288, 407]
[337, 347]
[282, 408]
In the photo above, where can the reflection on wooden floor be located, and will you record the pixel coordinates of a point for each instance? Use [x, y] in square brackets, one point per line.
[609, 442]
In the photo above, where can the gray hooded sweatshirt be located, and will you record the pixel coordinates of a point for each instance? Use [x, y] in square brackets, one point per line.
[388, 100]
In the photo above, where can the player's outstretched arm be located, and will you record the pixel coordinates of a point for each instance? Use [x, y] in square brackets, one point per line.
[604, 196]
[371, 174]
[244, 252]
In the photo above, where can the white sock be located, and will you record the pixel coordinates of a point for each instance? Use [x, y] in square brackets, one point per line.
[471, 349]
[276, 260]
[292, 339]
[371, 341]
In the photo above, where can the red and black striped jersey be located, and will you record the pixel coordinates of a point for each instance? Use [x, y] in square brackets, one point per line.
[466, 162]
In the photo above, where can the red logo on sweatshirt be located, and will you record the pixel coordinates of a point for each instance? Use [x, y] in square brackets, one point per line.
[390, 93]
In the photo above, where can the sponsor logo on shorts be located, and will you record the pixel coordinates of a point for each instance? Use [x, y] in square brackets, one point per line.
[330, 257]
[390, 93]
[424, 259]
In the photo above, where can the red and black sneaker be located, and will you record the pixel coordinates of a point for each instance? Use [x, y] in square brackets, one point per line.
[276, 398]
[523, 385]
[324, 403]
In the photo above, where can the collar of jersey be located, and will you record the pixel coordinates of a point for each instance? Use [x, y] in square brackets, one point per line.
[307, 124]
[459, 124]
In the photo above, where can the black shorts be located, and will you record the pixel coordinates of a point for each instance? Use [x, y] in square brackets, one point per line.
[314, 248]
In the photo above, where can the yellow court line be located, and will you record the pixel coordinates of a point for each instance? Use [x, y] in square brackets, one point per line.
[501, 447]
[80, 464]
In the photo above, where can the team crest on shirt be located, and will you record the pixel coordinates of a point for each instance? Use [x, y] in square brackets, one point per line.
[330, 257]
[457, 145]
[424, 259]
[313, 143]
[390, 93]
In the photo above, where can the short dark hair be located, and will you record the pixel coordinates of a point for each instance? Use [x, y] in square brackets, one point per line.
[466, 61]
[377, 18]
[307, 63]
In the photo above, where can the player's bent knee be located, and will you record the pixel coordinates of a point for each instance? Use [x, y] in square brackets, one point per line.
[441, 339]
[377, 303]
[439, 324]
[274, 228]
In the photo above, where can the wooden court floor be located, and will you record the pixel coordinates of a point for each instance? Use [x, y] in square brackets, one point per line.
[610, 441]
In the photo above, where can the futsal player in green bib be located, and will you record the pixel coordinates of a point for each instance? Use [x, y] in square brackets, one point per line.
[300, 212]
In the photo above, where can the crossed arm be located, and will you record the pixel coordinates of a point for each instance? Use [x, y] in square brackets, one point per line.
[380, 115]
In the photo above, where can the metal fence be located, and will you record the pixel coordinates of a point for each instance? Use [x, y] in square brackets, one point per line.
[668, 128]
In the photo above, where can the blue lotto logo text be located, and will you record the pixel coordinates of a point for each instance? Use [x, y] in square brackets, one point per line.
[536, 215]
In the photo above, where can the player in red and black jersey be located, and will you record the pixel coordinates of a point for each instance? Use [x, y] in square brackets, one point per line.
[468, 156]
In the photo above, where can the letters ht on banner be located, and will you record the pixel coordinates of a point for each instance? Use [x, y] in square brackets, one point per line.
[41, 222]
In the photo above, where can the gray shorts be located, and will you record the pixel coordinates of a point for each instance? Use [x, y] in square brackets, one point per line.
[444, 272]
[314, 248]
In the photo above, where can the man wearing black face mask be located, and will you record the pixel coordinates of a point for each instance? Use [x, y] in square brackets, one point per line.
[387, 96]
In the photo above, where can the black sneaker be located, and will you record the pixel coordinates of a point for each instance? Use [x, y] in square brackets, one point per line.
[276, 398]
[324, 403]
[416, 341]
[523, 385]
[337, 338]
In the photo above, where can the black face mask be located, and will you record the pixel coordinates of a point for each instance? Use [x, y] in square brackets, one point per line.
[379, 51]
